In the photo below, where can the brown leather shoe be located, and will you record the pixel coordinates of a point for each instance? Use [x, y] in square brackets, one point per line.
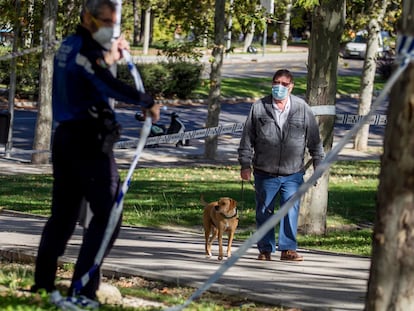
[264, 256]
[290, 255]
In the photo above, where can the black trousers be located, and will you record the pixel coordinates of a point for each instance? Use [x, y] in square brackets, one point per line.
[80, 170]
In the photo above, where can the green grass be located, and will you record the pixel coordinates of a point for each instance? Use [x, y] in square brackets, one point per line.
[15, 281]
[170, 197]
[258, 87]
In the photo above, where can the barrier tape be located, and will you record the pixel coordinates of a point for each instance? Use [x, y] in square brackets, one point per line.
[28, 51]
[343, 119]
[350, 119]
[173, 138]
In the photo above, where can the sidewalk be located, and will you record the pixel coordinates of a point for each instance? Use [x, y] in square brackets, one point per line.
[324, 281]
[168, 156]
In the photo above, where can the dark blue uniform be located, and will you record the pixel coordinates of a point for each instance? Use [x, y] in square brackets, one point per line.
[83, 161]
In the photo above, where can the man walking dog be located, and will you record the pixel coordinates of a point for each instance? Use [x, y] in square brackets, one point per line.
[83, 161]
[277, 131]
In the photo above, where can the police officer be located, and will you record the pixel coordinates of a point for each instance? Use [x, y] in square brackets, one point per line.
[83, 161]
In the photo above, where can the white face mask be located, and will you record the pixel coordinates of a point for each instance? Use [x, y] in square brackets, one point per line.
[104, 36]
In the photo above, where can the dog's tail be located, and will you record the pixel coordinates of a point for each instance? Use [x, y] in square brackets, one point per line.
[203, 201]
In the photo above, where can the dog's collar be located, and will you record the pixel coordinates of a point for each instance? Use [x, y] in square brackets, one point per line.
[232, 216]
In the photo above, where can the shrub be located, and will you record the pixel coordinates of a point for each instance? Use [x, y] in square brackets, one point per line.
[27, 75]
[177, 51]
[166, 79]
[185, 78]
[156, 78]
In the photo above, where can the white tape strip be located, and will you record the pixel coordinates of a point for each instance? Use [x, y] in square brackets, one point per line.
[238, 127]
[377, 119]
[324, 110]
[37, 49]
[349, 119]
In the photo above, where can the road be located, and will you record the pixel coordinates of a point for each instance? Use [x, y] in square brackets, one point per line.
[265, 66]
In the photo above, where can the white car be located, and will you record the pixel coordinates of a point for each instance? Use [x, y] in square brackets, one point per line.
[358, 46]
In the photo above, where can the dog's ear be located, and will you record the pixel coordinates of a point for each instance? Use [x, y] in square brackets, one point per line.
[233, 203]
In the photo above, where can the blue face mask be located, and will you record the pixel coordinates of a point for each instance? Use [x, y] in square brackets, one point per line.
[279, 92]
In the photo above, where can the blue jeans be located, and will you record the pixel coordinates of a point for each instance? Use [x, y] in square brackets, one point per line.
[267, 187]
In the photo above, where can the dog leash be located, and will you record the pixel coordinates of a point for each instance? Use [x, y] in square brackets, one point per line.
[242, 195]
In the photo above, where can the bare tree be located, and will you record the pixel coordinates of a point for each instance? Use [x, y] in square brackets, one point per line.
[377, 11]
[30, 23]
[43, 130]
[137, 22]
[13, 69]
[248, 40]
[285, 27]
[147, 30]
[391, 281]
[328, 21]
[214, 105]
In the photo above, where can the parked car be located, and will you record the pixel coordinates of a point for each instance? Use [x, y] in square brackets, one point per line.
[358, 46]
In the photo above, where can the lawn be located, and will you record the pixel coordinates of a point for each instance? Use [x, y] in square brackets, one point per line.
[170, 197]
[141, 294]
[258, 87]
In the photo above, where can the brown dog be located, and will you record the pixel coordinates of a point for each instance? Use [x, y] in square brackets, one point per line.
[219, 217]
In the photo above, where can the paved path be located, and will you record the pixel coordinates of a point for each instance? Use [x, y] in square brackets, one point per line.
[324, 281]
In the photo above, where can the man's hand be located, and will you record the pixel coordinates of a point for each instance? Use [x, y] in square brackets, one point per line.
[154, 112]
[246, 173]
[115, 53]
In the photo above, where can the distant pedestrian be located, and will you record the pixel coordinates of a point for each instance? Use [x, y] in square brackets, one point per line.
[277, 131]
[178, 33]
[274, 37]
[83, 161]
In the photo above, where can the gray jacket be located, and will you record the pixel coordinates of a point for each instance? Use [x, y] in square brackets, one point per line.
[277, 152]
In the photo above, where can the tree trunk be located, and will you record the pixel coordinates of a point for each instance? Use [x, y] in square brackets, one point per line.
[147, 29]
[391, 281]
[30, 24]
[43, 130]
[285, 27]
[12, 83]
[214, 105]
[327, 27]
[368, 72]
[137, 22]
[249, 37]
